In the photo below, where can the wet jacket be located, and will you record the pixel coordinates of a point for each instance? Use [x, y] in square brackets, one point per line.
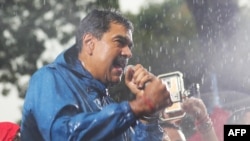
[64, 102]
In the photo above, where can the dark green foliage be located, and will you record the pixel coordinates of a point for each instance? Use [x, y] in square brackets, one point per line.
[21, 46]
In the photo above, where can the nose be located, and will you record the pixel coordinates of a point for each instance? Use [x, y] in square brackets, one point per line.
[126, 52]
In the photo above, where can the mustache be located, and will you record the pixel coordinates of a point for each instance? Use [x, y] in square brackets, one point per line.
[121, 60]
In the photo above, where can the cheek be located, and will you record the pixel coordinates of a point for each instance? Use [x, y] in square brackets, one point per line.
[104, 54]
[101, 50]
[103, 58]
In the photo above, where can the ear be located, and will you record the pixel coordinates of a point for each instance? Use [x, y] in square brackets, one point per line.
[88, 43]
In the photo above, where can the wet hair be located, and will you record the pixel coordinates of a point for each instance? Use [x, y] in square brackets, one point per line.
[97, 22]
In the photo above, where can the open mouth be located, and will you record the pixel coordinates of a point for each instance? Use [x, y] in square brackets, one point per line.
[120, 63]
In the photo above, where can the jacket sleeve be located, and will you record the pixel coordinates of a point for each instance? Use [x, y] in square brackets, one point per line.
[147, 132]
[59, 117]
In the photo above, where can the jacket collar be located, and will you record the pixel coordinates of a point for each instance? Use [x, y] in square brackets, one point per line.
[69, 60]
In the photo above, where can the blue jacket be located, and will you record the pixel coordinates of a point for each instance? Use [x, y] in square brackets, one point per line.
[64, 102]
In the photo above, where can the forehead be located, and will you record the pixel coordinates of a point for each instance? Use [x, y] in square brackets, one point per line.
[117, 29]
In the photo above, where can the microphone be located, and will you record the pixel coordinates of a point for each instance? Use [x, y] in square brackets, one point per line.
[127, 67]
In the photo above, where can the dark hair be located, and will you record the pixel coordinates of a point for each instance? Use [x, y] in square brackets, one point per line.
[98, 22]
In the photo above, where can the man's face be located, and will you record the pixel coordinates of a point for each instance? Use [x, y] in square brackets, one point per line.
[111, 54]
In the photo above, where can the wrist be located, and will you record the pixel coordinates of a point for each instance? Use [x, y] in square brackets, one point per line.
[148, 102]
[204, 125]
[149, 119]
[142, 106]
[202, 119]
[136, 108]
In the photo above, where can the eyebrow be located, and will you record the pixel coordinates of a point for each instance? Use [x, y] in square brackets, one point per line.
[124, 40]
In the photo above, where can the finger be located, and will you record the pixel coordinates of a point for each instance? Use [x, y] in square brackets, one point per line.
[129, 73]
[141, 79]
[139, 75]
[138, 70]
[144, 81]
